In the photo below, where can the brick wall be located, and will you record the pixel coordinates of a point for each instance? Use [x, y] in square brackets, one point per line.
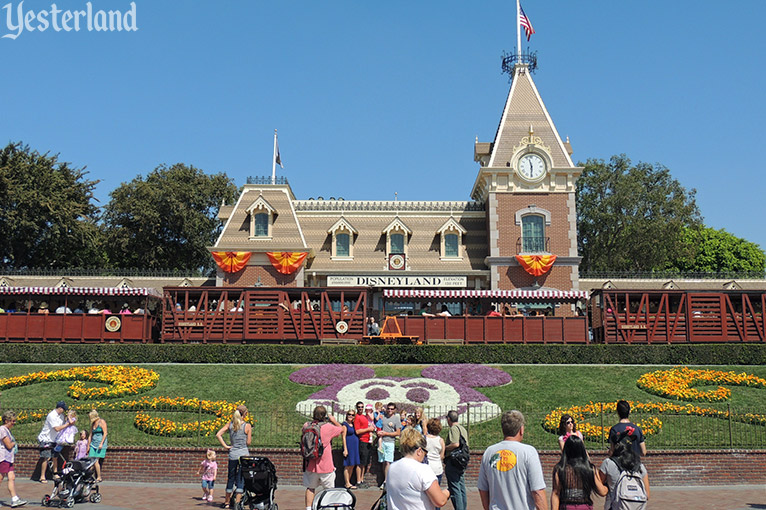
[179, 465]
[269, 277]
[558, 231]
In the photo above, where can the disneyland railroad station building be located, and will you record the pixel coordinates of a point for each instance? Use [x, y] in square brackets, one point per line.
[514, 243]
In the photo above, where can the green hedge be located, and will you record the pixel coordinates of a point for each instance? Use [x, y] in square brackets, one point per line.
[699, 354]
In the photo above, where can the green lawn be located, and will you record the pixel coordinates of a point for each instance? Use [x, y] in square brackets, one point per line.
[272, 396]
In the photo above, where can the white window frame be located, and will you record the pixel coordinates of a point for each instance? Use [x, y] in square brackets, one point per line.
[342, 226]
[261, 206]
[451, 226]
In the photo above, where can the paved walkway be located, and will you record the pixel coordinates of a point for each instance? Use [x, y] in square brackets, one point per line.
[138, 496]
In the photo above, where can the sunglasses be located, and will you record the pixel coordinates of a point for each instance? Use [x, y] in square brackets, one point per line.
[569, 421]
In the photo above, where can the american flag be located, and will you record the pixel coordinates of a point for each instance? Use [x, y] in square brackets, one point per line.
[524, 22]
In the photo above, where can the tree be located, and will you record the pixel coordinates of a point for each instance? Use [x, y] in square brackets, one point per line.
[47, 218]
[167, 220]
[631, 218]
[718, 251]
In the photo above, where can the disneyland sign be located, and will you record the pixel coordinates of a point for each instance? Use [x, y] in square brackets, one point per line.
[397, 281]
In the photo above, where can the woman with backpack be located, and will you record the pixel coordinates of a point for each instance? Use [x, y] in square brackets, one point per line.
[575, 478]
[625, 477]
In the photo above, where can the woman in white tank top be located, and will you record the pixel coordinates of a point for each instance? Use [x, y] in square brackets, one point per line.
[435, 447]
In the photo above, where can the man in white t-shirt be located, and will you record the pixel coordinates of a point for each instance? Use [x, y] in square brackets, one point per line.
[510, 476]
[54, 422]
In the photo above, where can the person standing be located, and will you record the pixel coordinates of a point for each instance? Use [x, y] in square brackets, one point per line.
[8, 449]
[391, 428]
[240, 436]
[435, 447]
[321, 472]
[510, 475]
[455, 474]
[411, 484]
[575, 478]
[54, 423]
[98, 441]
[625, 428]
[363, 424]
[622, 459]
[350, 449]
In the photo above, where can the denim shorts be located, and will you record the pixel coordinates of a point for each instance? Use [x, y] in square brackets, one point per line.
[208, 484]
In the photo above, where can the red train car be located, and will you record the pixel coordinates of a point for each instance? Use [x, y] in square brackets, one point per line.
[624, 316]
[284, 314]
[61, 314]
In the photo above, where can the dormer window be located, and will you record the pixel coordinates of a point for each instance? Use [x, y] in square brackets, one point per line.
[451, 240]
[342, 240]
[397, 234]
[262, 216]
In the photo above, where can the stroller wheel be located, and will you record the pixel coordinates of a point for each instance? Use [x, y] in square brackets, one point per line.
[69, 503]
[46, 500]
[94, 497]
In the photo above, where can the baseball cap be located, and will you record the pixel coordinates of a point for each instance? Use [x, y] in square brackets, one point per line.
[62, 405]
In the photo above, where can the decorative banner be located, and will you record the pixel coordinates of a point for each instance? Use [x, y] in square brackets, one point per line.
[286, 262]
[536, 265]
[231, 261]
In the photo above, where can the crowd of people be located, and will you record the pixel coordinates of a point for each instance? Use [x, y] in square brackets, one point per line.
[59, 440]
[510, 474]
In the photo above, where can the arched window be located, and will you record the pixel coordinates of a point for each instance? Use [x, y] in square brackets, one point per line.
[533, 233]
[397, 243]
[451, 245]
[261, 225]
[342, 245]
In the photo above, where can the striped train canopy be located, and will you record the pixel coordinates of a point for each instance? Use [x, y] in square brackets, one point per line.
[500, 294]
[81, 291]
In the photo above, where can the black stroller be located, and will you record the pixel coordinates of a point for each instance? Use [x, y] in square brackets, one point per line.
[260, 477]
[74, 484]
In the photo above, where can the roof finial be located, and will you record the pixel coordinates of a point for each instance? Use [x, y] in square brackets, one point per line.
[531, 131]
[396, 196]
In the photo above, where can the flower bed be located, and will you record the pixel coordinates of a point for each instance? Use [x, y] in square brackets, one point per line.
[677, 383]
[122, 380]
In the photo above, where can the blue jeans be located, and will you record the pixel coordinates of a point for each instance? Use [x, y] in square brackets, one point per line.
[456, 485]
[235, 477]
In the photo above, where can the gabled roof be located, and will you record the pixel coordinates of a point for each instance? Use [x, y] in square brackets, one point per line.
[451, 224]
[524, 108]
[342, 224]
[260, 203]
[397, 224]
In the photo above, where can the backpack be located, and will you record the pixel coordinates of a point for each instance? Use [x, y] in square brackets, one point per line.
[311, 441]
[629, 492]
[460, 456]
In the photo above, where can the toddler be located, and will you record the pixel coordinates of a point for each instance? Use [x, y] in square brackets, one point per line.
[208, 469]
[81, 447]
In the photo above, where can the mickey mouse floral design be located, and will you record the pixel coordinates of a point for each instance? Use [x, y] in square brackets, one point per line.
[440, 388]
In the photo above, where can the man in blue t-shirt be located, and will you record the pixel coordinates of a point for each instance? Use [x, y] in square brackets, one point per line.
[624, 429]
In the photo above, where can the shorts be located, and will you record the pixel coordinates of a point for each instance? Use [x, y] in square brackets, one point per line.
[387, 455]
[315, 480]
[5, 467]
[46, 450]
[365, 452]
[208, 484]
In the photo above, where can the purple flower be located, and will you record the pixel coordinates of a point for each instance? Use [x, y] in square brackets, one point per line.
[377, 394]
[467, 374]
[330, 374]
[418, 395]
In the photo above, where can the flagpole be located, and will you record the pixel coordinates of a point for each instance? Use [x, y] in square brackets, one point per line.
[518, 30]
[274, 161]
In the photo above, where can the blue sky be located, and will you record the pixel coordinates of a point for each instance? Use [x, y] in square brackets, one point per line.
[373, 98]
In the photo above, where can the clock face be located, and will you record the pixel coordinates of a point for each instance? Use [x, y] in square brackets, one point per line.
[531, 167]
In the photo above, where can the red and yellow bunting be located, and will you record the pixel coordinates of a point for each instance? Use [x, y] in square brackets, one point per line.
[231, 261]
[536, 265]
[286, 262]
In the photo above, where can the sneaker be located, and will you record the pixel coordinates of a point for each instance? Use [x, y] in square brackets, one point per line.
[210, 498]
[17, 503]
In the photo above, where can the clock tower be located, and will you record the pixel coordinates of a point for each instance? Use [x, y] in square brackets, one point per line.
[527, 182]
